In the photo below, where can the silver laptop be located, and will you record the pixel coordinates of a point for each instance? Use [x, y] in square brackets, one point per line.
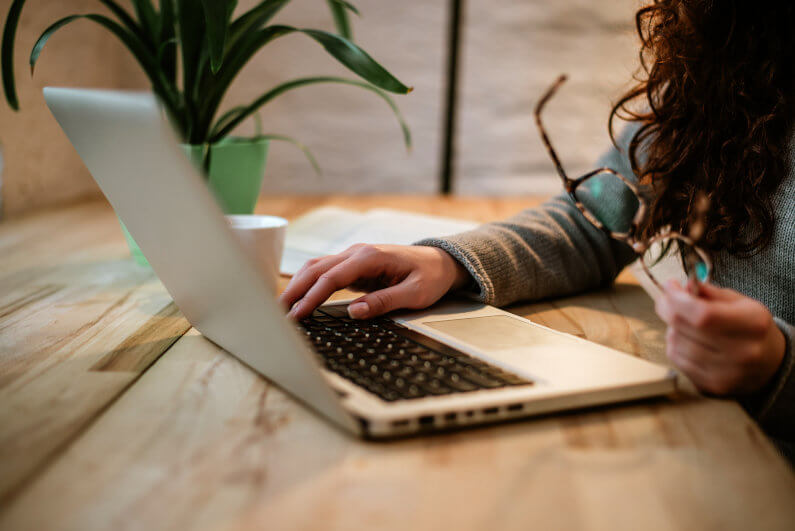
[456, 364]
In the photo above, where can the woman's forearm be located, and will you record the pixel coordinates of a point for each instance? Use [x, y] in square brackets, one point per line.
[540, 252]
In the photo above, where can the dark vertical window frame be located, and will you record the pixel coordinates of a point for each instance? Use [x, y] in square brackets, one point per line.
[454, 32]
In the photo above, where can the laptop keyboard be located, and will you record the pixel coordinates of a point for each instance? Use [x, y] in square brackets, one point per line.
[394, 362]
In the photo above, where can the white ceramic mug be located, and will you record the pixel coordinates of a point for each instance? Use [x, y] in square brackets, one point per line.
[263, 239]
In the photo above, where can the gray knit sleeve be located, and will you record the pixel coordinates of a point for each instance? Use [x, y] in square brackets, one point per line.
[547, 251]
[773, 407]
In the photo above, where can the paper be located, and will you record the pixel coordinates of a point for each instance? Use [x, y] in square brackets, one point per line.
[330, 230]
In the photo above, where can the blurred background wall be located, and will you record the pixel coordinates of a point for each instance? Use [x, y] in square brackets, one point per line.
[40, 166]
[510, 50]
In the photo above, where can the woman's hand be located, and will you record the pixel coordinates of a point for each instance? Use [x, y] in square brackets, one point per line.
[397, 276]
[726, 343]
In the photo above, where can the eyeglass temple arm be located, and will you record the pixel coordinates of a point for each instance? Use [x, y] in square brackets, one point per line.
[544, 137]
[570, 183]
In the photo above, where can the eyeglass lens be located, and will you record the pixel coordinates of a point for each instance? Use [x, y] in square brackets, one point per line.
[609, 200]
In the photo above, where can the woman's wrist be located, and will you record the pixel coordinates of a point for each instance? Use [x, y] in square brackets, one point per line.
[457, 273]
[774, 350]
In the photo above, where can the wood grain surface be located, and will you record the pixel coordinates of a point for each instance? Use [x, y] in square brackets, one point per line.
[108, 425]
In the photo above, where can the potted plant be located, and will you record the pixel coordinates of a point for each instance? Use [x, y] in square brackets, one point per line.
[191, 51]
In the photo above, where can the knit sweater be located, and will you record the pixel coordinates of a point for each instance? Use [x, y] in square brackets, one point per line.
[553, 250]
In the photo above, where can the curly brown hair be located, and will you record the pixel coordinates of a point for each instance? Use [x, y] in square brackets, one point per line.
[716, 106]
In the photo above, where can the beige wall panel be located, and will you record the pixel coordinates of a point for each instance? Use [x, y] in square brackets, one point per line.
[512, 50]
[40, 166]
[351, 131]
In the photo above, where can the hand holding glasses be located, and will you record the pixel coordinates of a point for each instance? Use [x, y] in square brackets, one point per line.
[598, 193]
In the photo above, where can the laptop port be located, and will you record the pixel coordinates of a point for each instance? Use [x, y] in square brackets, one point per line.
[515, 407]
[491, 411]
[426, 420]
[450, 417]
[400, 423]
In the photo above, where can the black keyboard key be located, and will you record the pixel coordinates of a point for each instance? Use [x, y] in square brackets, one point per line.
[436, 387]
[419, 377]
[480, 379]
[459, 384]
[405, 371]
[509, 378]
[412, 391]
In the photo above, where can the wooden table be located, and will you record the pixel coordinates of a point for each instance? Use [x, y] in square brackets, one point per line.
[115, 414]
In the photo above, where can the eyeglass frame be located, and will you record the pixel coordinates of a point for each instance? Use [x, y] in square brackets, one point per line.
[628, 237]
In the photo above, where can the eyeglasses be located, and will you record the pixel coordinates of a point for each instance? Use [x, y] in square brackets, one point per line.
[598, 193]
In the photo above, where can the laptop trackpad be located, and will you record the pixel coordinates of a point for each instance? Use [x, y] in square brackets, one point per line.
[497, 332]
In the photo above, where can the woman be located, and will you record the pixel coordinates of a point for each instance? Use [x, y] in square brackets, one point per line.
[718, 94]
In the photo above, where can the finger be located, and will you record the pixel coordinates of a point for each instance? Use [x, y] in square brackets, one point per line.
[684, 308]
[306, 278]
[685, 347]
[311, 268]
[712, 308]
[664, 310]
[712, 292]
[667, 311]
[679, 351]
[340, 276]
[702, 345]
[403, 295]
[672, 285]
[710, 375]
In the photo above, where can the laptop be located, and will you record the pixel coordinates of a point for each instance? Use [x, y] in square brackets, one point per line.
[458, 363]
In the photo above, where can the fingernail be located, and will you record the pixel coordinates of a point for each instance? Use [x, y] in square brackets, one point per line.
[358, 310]
[293, 311]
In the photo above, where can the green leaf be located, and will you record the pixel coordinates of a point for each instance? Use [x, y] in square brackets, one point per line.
[165, 92]
[7, 53]
[167, 54]
[350, 7]
[296, 143]
[257, 124]
[225, 119]
[357, 60]
[241, 27]
[191, 28]
[341, 22]
[216, 18]
[253, 19]
[150, 22]
[125, 18]
[166, 48]
[214, 87]
[235, 116]
[42, 40]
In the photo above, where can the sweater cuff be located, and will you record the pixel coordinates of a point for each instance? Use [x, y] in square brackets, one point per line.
[458, 247]
[773, 406]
